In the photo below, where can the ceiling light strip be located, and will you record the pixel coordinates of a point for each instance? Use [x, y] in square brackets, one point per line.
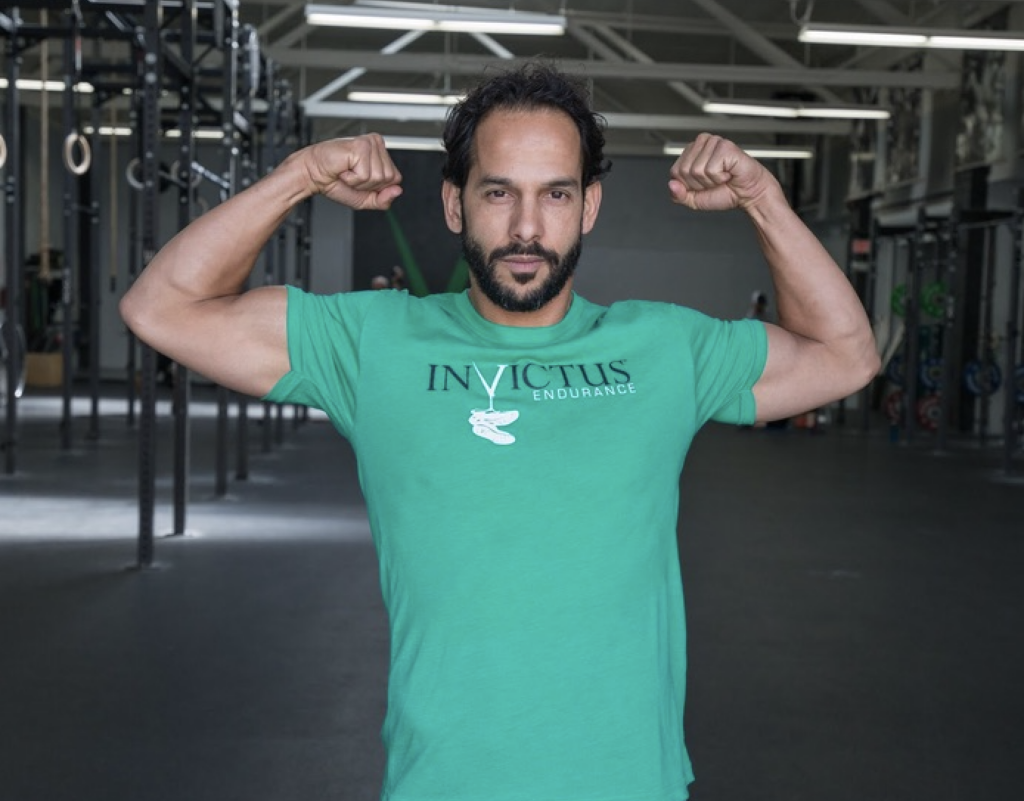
[421, 98]
[449, 19]
[756, 151]
[783, 110]
[894, 36]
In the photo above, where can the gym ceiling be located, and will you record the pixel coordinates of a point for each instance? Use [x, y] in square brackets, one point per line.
[652, 63]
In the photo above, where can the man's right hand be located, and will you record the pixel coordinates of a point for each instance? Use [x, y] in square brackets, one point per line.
[356, 172]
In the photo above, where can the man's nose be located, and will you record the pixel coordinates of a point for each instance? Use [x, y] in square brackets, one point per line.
[527, 224]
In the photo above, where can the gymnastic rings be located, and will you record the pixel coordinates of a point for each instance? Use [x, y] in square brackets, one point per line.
[3, 151]
[72, 140]
[133, 169]
[133, 174]
[194, 181]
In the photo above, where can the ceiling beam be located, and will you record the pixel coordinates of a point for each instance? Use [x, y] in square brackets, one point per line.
[759, 44]
[429, 63]
[268, 26]
[684, 90]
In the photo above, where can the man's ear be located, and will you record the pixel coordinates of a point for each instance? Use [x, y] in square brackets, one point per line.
[591, 205]
[451, 198]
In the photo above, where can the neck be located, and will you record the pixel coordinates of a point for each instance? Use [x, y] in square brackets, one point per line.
[551, 313]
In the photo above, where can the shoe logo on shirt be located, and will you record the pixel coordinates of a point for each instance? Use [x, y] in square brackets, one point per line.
[485, 422]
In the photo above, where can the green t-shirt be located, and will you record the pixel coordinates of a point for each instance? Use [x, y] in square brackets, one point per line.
[522, 487]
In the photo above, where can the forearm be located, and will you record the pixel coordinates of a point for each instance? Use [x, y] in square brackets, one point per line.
[814, 299]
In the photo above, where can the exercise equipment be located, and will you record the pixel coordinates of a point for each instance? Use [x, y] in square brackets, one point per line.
[930, 373]
[982, 378]
[251, 46]
[929, 412]
[894, 371]
[933, 299]
[113, 214]
[13, 239]
[892, 406]
[898, 300]
[44, 154]
[12, 361]
[191, 51]
[77, 165]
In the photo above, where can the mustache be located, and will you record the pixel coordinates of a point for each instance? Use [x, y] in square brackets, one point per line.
[515, 249]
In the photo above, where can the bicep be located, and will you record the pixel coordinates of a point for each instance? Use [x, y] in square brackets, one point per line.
[239, 342]
[800, 374]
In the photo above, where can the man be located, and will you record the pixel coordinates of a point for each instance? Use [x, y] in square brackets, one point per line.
[535, 439]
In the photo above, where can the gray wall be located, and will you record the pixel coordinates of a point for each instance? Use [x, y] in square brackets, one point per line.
[644, 246]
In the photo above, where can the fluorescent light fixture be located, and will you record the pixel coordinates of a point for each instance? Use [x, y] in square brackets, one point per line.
[422, 17]
[413, 143]
[198, 133]
[35, 85]
[844, 112]
[975, 41]
[757, 151]
[770, 152]
[422, 98]
[108, 130]
[774, 108]
[893, 36]
[751, 108]
[173, 133]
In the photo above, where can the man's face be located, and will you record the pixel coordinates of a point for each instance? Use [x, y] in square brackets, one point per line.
[537, 291]
[522, 213]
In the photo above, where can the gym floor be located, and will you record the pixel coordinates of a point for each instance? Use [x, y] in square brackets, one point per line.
[856, 612]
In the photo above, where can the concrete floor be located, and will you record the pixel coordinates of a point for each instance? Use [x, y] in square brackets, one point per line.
[856, 623]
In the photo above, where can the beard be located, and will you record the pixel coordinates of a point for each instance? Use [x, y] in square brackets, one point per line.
[483, 266]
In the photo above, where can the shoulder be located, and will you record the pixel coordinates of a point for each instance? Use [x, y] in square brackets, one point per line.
[655, 313]
[686, 326]
[360, 302]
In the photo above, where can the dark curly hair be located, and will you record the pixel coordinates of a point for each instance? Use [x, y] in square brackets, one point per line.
[534, 85]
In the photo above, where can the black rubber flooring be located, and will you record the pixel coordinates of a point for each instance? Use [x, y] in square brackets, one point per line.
[856, 615]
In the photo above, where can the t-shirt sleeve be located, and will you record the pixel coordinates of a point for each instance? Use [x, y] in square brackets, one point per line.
[729, 357]
[324, 334]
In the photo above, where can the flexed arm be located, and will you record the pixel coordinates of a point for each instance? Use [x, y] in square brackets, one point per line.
[189, 302]
[823, 348]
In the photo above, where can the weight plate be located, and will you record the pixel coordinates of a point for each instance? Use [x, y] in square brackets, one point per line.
[933, 299]
[930, 373]
[898, 301]
[929, 411]
[893, 406]
[894, 370]
[982, 378]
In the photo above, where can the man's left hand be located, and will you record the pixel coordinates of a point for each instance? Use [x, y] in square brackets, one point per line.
[713, 174]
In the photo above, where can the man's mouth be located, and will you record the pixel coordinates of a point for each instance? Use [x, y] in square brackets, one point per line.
[523, 269]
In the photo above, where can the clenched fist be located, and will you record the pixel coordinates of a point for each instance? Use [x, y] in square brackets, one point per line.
[356, 172]
[713, 174]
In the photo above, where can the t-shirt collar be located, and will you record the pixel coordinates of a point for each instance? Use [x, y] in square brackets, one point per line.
[573, 321]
